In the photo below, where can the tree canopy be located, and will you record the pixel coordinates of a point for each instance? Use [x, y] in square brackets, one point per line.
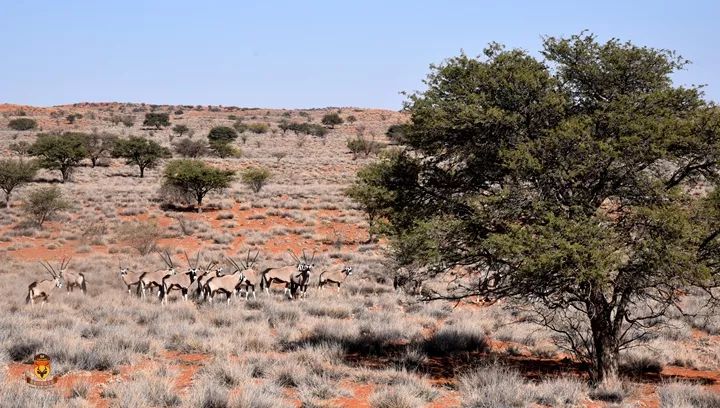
[144, 153]
[14, 173]
[332, 119]
[197, 178]
[561, 183]
[222, 134]
[156, 120]
[59, 152]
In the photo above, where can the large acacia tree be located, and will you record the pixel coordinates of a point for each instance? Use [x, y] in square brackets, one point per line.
[561, 183]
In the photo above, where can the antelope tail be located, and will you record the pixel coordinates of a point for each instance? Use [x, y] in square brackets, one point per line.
[83, 285]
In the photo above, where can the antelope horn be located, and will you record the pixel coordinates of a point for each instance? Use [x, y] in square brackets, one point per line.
[294, 256]
[47, 269]
[304, 258]
[313, 256]
[197, 259]
[167, 253]
[256, 257]
[187, 259]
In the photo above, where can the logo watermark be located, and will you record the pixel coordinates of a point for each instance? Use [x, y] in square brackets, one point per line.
[41, 375]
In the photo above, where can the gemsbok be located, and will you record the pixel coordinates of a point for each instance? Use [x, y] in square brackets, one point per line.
[42, 289]
[203, 275]
[130, 278]
[228, 284]
[180, 281]
[148, 280]
[251, 277]
[293, 277]
[334, 277]
[72, 279]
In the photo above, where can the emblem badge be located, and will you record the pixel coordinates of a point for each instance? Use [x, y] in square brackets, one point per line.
[41, 375]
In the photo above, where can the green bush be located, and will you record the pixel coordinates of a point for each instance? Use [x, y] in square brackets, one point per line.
[256, 178]
[258, 128]
[196, 178]
[44, 202]
[222, 134]
[22, 124]
[332, 119]
[158, 120]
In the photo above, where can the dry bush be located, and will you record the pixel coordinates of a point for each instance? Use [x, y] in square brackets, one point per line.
[683, 395]
[493, 386]
[141, 236]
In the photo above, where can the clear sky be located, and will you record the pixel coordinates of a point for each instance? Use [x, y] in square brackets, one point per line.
[302, 54]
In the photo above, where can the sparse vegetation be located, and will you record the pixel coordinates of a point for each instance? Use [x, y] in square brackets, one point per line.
[22, 124]
[43, 203]
[13, 174]
[256, 178]
[144, 153]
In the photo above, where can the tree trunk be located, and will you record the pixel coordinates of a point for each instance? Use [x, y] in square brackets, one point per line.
[605, 344]
[142, 171]
[65, 174]
[7, 200]
[199, 204]
[93, 160]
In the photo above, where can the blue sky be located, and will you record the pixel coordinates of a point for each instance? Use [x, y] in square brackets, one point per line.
[297, 54]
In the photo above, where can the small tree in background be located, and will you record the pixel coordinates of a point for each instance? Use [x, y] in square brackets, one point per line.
[21, 148]
[71, 118]
[256, 178]
[331, 120]
[351, 119]
[14, 173]
[196, 178]
[142, 236]
[98, 145]
[396, 133]
[225, 150]
[180, 130]
[144, 153]
[361, 145]
[157, 120]
[59, 152]
[22, 124]
[43, 203]
[222, 134]
[258, 128]
[187, 147]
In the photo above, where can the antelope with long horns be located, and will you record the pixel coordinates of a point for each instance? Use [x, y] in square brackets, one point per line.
[152, 279]
[251, 277]
[72, 279]
[334, 277]
[206, 273]
[293, 277]
[130, 278]
[228, 284]
[180, 281]
[42, 289]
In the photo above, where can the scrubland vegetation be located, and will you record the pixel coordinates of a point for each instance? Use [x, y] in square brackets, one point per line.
[567, 233]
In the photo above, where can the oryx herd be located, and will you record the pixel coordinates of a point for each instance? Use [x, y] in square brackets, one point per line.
[203, 282]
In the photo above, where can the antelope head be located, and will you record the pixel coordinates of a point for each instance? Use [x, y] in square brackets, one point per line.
[57, 279]
[165, 256]
[192, 267]
[347, 270]
[63, 266]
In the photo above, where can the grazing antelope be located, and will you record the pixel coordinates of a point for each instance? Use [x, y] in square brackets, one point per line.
[72, 279]
[148, 280]
[181, 282]
[130, 278]
[251, 277]
[334, 277]
[43, 288]
[293, 277]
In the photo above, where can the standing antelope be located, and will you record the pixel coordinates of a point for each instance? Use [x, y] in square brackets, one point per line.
[207, 273]
[251, 277]
[150, 279]
[72, 279]
[43, 288]
[130, 278]
[334, 277]
[181, 282]
[227, 284]
[293, 277]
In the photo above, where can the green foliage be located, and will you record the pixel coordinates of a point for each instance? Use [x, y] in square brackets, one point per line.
[180, 129]
[559, 183]
[351, 119]
[196, 178]
[222, 134]
[22, 124]
[14, 173]
[157, 120]
[98, 145]
[141, 152]
[225, 150]
[255, 178]
[187, 147]
[59, 152]
[396, 133]
[71, 118]
[361, 145]
[43, 203]
[332, 119]
[258, 128]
